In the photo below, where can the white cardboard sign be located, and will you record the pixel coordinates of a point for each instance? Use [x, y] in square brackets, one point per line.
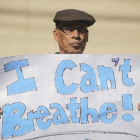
[73, 97]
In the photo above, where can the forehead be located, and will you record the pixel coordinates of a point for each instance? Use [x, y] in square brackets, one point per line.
[73, 25]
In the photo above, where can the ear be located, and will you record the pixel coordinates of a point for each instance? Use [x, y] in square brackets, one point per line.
[55, 35]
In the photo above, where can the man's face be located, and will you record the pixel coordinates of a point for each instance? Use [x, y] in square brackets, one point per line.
[71, 37]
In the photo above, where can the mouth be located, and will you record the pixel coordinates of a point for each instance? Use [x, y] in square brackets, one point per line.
[76, 45]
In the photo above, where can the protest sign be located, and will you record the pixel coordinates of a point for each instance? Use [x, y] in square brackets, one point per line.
[73, 97]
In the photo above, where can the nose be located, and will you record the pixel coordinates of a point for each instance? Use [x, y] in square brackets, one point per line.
[75, 34]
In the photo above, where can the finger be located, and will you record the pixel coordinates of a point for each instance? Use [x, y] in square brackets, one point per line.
[1, 111]
[138, 107]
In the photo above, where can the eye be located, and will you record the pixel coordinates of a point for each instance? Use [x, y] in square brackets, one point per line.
[69, 29]
[82, 31]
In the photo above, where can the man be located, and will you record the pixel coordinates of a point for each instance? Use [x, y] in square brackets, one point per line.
[71, 32]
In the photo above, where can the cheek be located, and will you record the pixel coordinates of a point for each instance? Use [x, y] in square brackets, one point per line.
[62, 40]
[84, 40]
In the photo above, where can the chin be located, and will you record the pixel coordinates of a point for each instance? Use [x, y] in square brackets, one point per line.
[76, 52]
